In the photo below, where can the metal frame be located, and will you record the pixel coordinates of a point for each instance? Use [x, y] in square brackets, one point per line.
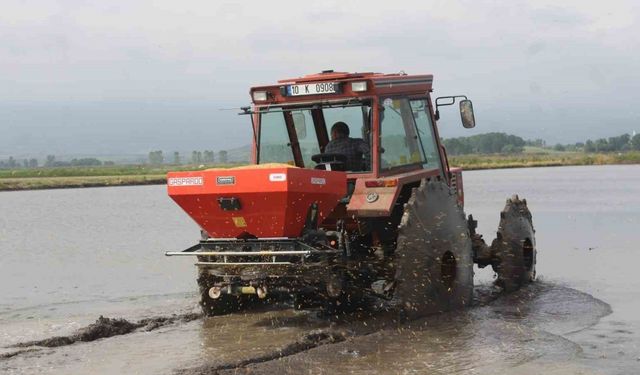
[200, 250]
[451, 98]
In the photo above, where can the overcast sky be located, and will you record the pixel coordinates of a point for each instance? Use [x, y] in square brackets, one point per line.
[92, 77]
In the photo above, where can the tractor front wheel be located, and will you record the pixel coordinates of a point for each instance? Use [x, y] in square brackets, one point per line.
[434, 258]
[514, 250]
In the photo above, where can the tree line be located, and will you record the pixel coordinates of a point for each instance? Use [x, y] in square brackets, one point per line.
[624, 142]
[502, 143]
[488, 143]
[621, 143]
[50, 161]
[197, 157]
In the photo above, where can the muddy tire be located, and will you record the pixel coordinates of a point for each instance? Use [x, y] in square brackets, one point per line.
[348, 298]
[225, 304]
[514, 249]
[433, 259]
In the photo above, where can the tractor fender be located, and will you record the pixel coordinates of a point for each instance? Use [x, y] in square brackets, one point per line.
[373, 201]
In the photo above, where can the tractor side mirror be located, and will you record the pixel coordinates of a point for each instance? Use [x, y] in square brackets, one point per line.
[466, 114]
[300, 124]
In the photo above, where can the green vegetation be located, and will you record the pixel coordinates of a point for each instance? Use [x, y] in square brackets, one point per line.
[31, 183]
[109, 170]
[109, 175]
[549, 159]
[501, 143]
[488, 143]
[483, 151]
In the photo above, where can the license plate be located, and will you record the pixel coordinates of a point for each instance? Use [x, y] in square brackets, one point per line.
[313, 89]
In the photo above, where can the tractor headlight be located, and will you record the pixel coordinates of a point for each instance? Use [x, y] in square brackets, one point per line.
[259, 96]
[359, 86]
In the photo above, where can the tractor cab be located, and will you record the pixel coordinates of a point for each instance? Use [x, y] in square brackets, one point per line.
[374, 132]
[389, 119]
[391, 141]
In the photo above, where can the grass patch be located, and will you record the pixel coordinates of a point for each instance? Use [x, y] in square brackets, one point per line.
[74, 177]
[542, 160]
[35, 183]
[118, 170]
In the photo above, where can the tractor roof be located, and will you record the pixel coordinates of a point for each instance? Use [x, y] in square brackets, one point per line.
[376, 84]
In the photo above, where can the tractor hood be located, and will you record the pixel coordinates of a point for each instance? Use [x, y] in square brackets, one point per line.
[263, 201]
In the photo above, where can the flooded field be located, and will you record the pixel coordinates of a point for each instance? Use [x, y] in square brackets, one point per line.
[68, 257]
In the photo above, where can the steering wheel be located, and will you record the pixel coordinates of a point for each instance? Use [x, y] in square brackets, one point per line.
[330, 161]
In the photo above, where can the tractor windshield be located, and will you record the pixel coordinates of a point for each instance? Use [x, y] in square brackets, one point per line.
[293, 135]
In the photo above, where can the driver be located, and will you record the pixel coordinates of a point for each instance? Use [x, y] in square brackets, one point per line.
[354, 149]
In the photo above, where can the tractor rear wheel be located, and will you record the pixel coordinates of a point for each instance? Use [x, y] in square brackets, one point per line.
[433, 259]
[514, 249]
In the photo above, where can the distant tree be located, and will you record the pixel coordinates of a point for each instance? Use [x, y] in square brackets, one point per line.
[25, 163]
[156, 157]
[559, 147]
[539, 143]
[11, 163]
[602, 145]
[635, 142]
[619, 143]
[33, 163]
[589, 146]
[108, 162]
[208, 156]
[222, 156]
[489, 143]
[457, 146]
[51, 161]
[196, 157]
[85, 162]
[509, 149]
[176, 158]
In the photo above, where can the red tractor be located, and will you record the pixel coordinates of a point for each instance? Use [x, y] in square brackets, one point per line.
[331, 218]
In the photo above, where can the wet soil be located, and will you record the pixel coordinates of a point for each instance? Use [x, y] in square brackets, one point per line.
[103, 328]
[307, 342]
[524, 325]
[536, 317]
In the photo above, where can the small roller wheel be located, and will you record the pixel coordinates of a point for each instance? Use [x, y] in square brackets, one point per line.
[223, 304]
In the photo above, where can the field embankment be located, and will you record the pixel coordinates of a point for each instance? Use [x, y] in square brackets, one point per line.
[75, 177]
[551, 159]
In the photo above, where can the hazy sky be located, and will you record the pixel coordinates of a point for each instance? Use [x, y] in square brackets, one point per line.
[92, 77]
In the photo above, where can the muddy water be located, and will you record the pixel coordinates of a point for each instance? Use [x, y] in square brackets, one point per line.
[69, 256]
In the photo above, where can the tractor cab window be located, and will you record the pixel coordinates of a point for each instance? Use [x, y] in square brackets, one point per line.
[424, 128]
[358, 119]
[275, 146]
[406, 134]
[357, 145]
[293, 135]
[306, 134]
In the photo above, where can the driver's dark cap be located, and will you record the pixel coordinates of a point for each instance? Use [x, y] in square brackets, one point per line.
[341, 128]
